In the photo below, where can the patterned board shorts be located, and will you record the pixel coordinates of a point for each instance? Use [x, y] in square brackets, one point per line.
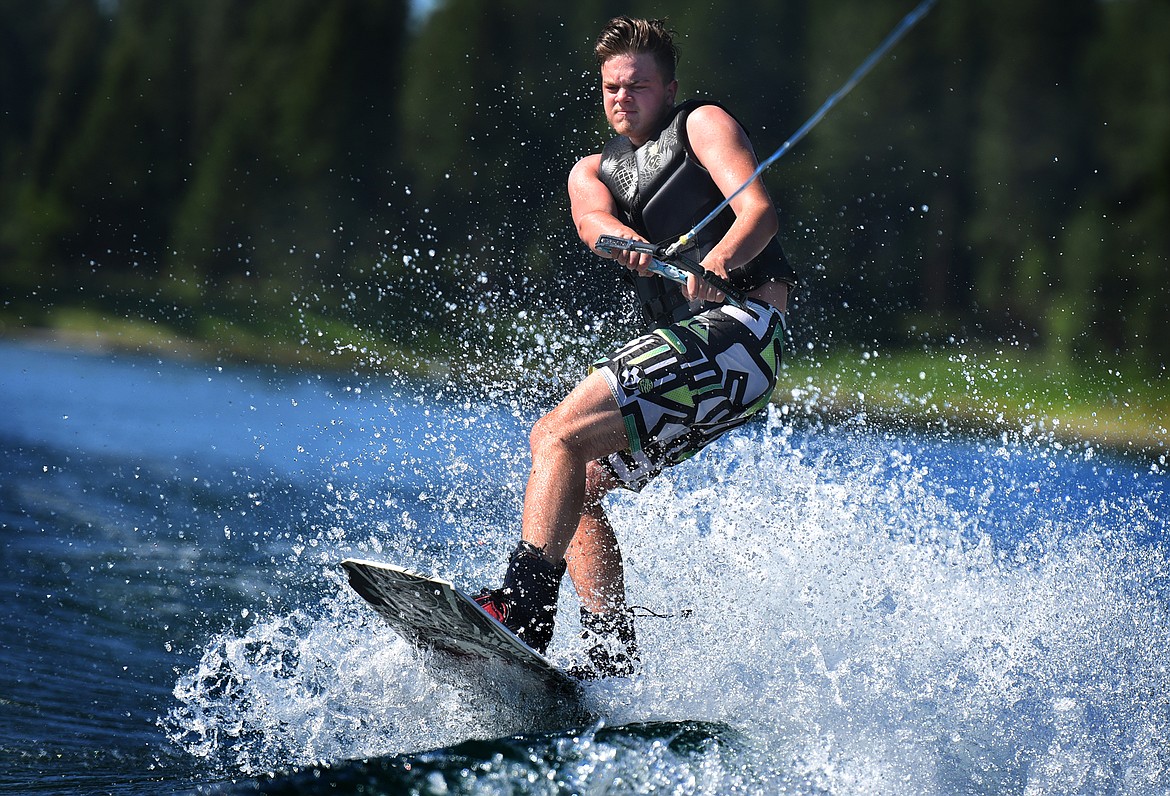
[682, 387]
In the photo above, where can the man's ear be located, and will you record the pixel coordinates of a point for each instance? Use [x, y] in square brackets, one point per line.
[671, 90]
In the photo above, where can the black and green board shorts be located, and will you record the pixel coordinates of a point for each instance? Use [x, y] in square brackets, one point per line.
[682, 387]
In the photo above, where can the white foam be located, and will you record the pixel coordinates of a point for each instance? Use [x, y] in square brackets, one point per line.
[864, 631]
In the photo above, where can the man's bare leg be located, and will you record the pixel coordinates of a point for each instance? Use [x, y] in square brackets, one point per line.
[594, 558]
[595, 565]
[586, 425]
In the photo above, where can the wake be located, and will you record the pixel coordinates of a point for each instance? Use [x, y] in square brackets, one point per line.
[873, 614]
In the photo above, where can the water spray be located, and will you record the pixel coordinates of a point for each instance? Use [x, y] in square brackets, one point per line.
[894, 36]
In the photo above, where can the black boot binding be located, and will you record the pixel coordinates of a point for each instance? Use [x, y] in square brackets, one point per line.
[527, 602]
[611, 646]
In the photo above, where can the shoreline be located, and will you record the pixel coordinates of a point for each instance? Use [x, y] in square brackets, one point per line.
[829, 391]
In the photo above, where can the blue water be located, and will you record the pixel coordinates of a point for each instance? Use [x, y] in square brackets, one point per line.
[872, 613]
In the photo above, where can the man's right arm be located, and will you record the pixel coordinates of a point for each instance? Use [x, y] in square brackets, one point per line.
[595, 213]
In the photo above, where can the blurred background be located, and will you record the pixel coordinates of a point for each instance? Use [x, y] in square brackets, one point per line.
[255, 172]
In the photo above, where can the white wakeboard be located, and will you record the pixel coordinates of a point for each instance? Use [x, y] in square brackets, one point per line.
[432, 614]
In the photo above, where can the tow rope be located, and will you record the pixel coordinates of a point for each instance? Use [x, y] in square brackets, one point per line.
[892, 38]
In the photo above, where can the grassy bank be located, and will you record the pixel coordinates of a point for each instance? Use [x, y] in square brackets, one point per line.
[966, 389]
[280, 339]
[988, 391]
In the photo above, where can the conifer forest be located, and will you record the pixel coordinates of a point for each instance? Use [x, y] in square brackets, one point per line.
[1003, 175]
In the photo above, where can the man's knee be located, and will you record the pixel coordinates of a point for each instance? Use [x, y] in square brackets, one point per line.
[585, 425]
[548, 435]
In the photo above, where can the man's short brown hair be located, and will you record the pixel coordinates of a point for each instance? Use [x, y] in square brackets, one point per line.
[632, 36]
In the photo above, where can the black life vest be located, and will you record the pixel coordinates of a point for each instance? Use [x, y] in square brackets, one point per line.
[663, 191]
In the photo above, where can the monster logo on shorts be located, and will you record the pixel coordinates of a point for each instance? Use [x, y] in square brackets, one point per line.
[634, 379]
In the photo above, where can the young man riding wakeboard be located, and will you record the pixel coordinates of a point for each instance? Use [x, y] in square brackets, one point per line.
[702, 368]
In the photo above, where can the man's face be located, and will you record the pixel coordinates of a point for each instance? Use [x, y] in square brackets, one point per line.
[635, 95]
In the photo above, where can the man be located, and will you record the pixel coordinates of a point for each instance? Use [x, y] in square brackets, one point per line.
[705, 368]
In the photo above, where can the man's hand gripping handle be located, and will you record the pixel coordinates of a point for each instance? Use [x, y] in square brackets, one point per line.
[676, 271]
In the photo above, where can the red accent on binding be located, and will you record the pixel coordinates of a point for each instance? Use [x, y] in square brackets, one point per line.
[496, 608]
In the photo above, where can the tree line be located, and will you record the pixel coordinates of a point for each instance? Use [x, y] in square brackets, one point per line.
[1004, 174]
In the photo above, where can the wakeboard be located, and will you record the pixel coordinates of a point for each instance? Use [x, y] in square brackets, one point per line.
[432, 614]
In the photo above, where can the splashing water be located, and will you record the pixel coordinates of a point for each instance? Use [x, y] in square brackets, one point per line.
[872, 613]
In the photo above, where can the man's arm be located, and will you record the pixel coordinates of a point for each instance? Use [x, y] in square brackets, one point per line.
[595, 213]
[722, 147]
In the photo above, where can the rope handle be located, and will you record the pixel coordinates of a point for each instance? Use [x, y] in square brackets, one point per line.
[674, 267]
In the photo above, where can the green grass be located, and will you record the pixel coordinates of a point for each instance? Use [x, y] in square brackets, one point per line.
[279, 338]
[986, 390]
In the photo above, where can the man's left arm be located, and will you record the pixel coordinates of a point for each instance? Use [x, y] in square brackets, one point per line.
[723, 148]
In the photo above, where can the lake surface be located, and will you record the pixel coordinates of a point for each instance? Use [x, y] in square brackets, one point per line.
[845, 611]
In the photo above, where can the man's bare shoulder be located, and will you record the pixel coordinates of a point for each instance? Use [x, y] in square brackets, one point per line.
[712, 120]
[588, 167]
[715, 134]
[589, 163]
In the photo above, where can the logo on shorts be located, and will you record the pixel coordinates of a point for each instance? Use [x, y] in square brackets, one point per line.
[635, 380]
